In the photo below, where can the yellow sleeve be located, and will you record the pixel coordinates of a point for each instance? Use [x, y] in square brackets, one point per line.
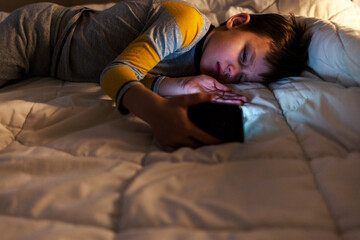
[148, 80]
[189, 20]
[141, 55]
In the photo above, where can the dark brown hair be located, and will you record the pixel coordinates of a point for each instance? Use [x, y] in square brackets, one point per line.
[288, 55]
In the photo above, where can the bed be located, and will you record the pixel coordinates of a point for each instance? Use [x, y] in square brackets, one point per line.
[73, 167]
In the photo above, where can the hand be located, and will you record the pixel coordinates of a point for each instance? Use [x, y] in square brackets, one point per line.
[172, 127]
[168, 117]
[200, 84]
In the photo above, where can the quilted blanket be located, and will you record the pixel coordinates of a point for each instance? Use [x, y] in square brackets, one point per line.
[73, 167]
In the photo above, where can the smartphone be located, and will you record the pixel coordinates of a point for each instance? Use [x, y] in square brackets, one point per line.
[221, 120]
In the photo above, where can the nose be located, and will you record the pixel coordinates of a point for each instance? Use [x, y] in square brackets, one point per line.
[231, 72]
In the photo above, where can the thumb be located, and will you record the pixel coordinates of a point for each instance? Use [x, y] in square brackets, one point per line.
[197, 98]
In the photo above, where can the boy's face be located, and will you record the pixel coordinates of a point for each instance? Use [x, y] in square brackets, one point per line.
[231, 55]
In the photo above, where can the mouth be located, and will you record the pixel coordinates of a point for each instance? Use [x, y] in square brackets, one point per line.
[217, 70]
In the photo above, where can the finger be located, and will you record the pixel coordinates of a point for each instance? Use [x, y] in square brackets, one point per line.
[229, 100]
[221, 86]
[198, 98]
[203, 137]
[193, 143]
[241, 98]
[168, 148]
[231, 97]
[220, 99]
[244, 99]
[237, 102]
[184, 141]
[162, 146]
[189, 142]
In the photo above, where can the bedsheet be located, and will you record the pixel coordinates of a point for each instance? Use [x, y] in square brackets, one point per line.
[72, 167]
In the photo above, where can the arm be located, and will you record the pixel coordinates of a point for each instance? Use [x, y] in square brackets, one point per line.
[167, 116]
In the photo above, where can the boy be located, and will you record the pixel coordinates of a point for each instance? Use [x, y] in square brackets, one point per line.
[154, 40]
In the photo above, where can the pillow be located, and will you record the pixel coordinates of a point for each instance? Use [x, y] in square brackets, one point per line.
[334, 51]
[343, 12]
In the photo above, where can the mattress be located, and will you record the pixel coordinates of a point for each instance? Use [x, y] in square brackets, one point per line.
[73, 167]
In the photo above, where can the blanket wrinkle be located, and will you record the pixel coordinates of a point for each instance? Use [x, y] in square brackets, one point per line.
[74, 168]
[54, 222]
[331, 211]
[341, 11]
[304, 154]
[308, 161]
[6, 140]
[15, 136]
[264, 10]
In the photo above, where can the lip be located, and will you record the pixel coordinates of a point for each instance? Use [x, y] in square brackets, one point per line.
[217, 70]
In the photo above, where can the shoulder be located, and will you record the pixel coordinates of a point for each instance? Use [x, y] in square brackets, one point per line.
[182, 11]
[188, 18]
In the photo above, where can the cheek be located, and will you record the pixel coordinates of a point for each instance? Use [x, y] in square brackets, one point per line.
[206, 60]
[205, 66]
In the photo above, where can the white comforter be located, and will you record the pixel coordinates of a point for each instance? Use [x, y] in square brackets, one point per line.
[72, 167]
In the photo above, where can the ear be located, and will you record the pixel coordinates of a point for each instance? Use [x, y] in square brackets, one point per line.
[237, 20]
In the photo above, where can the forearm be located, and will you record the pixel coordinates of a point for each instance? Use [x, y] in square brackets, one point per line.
[142, 102]
[171, 87]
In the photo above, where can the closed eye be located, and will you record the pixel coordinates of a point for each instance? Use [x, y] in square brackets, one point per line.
[244, 56]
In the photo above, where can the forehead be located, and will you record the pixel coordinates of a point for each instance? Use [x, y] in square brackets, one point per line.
[259, 42]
